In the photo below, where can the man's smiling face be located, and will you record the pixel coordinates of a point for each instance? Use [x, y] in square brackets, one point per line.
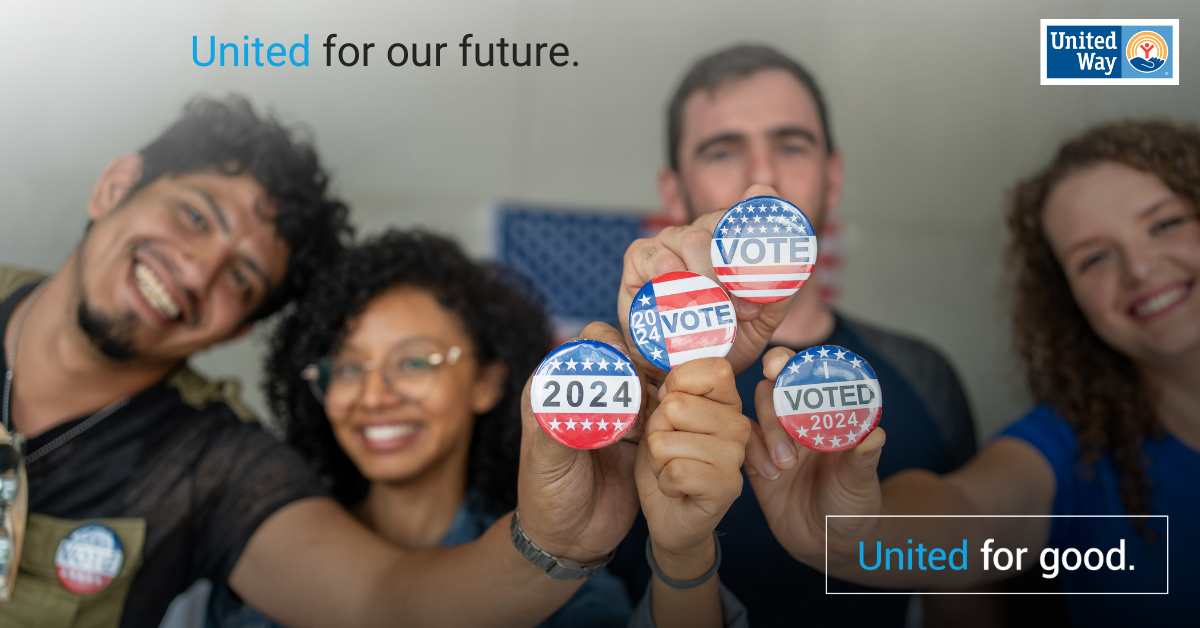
[178, 265]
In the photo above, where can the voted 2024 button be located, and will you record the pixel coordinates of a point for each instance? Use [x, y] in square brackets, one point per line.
[828, 398]
[586, 394]
[681, 316]
[763, 249]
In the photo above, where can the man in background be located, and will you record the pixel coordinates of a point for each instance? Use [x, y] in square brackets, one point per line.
[745, 116]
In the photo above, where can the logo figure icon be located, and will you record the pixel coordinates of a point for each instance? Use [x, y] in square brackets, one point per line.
[1146, 51]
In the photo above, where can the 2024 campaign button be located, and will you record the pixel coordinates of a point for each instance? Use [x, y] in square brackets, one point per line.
[586, 394]
[88, 559]
[763, 249]
[828, 398]
[681, 316]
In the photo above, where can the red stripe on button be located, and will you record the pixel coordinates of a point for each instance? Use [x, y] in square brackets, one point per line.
[763, 285]
[688, 299]
[700, 340]
[764, 270]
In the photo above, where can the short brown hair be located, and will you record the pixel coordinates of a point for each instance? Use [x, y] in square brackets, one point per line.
[723, 66]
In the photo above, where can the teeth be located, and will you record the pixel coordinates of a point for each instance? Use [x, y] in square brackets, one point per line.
[1161, 302]
[388, 432]
[154, 292]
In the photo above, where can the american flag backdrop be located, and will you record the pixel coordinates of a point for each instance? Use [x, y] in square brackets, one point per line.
[681, 316]
[828, 398]
[763, 249]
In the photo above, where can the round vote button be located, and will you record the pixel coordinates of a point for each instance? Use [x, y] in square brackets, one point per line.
[88, 559]
[586, 394]
[763, 249]
[828, 398]
[681, 316]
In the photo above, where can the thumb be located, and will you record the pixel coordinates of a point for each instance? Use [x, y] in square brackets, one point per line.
[858, 467]
[540, 453]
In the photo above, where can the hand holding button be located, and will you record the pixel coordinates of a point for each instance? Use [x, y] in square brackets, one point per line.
[688, 464]
[688, 248]
[577, 503]
[798, 486]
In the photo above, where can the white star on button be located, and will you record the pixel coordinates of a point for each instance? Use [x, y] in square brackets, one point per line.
[571, 364]
[824, 352]
[808, 357]
[841, 355]
[794, 368]
[855, 362]
[645, 300]
[603, 364]
[587, 364]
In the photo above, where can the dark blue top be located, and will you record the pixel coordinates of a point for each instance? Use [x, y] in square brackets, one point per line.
[1094, 489]
[929, 426]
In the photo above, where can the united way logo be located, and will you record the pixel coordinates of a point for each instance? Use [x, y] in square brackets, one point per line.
[1147, 51]
[1109, 52]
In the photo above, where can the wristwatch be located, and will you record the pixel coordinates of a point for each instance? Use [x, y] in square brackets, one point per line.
[556, 568]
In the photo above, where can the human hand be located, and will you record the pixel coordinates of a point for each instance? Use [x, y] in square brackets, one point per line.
[687, 248]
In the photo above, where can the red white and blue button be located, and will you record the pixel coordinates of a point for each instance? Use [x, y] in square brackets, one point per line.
[681, 316]
[763, 249]
[88, 559]
[586, 394]
[828, 398]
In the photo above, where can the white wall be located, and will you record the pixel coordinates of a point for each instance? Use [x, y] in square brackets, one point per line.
[936, 106]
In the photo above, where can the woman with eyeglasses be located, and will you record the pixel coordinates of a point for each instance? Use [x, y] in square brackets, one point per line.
[400, 378]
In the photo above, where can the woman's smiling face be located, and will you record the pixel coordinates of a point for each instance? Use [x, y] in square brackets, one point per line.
[1130, 248]
[391, 436]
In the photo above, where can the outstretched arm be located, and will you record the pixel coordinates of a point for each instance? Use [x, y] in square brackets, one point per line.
[312, 564]
[797, 488]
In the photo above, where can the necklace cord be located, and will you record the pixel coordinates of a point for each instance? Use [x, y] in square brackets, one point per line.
[5, 404]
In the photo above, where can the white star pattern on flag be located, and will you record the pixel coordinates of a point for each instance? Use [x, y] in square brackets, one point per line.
[587, 364]
[794, 368]
[808, 357]
[855, 362]
[801, 431]
[645, 300]
[571, 364]
[603, 364]
[841, 355]
[824, 352]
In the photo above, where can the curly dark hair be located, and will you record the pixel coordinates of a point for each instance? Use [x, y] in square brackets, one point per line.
[1094, 387]
[229, 137]
[499, 309]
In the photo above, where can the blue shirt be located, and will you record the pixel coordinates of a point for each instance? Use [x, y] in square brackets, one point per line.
[1094, 489]
[928, 425]
[601, 602]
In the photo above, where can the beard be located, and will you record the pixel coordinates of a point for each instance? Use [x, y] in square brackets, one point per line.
[111, 335]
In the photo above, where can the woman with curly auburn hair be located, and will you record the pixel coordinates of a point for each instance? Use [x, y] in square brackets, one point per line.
[1105, 253]
[399, 377]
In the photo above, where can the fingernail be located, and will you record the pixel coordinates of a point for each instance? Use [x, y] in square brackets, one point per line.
[770, 471]
[783, 453]
[746, 308]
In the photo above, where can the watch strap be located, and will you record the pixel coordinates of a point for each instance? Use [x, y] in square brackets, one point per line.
[556, 568]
